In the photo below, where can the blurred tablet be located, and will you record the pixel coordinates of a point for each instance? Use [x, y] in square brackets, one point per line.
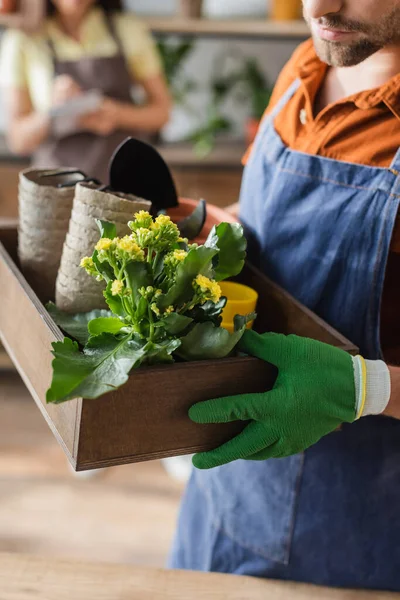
[64, 118]
[86, 103]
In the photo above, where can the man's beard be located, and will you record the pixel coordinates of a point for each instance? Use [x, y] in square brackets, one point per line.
[386, 32]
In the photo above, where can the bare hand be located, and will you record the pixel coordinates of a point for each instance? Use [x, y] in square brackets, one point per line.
[65, 88]
[104, 121]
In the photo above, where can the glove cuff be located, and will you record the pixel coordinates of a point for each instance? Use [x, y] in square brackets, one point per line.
[373, 386]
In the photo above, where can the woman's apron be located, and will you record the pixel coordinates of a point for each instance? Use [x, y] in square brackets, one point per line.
[322, 229]
[88, 151]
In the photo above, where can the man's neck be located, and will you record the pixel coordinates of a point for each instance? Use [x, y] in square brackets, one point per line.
[372, 73]
[341, 82]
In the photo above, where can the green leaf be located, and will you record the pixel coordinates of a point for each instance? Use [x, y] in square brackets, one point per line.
[198, 261]
[103, 268]
[107, 230]
[114, 302]
[142, 309]
[158, 266]
[161, 352]
[75, 325]
[205, 341]
[103, 367]
[241, 321]
[176, 324]
[138, 276]
[69, 369]
[106, 325]
[209, 311]
[229, 239]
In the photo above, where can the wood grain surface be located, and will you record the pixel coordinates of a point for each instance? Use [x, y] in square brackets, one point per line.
[28, 578]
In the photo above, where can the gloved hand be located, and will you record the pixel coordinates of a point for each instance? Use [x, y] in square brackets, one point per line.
[314, 394]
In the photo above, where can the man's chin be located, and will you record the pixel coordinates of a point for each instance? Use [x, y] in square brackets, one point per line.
[338, 54]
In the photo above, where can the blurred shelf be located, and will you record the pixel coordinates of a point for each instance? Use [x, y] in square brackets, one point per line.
[227, 154]
[262, 29]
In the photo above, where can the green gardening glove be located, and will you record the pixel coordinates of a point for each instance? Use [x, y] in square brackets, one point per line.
[313, 395]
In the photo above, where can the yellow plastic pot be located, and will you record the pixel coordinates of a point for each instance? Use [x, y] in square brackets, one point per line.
[242, 300]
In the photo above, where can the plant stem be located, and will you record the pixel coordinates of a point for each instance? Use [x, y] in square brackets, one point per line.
[128, 302]
[121, 271]
[151, 321]
[113, 263]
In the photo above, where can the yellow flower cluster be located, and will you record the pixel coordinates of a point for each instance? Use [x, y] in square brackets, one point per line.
[210, 290]
[157, 235]
[128, 246]
[172, 261]
[180, 255]
[144, 236]
[117, 287]
[88, 264]
[149, 292]
[143, 219]
[104, 244]
[162, 220]
[166, 232]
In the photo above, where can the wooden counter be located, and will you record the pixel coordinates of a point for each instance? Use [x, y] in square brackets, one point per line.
[29, 578]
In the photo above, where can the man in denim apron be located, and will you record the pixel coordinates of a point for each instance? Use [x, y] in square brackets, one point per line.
[291, 497]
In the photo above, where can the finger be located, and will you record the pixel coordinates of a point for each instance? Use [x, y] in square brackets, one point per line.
[250, 441]
[268, 347]
[223, 410]
[244, 407]
[259, 456]
[276, 450]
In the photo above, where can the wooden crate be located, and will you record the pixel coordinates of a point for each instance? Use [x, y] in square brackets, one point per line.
[147, 418]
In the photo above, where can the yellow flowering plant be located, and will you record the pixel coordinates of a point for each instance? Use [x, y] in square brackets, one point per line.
[164, 300]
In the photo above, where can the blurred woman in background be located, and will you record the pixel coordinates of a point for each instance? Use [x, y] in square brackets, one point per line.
[83, 45]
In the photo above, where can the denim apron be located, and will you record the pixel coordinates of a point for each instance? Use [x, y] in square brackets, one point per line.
[322, 229]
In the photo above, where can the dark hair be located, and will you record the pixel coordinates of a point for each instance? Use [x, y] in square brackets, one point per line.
[106, 5]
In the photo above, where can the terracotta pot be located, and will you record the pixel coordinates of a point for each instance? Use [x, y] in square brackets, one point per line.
[191, 9]
[215, 216]
[286, 10]
[252, 127]
[8, 6]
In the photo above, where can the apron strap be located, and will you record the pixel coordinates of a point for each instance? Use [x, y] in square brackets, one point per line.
[53, 54]
[285, 98]
[110, 21]
[395, 166]
[290, 92]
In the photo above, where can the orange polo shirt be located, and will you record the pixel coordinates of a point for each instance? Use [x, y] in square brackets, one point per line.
[364, 129]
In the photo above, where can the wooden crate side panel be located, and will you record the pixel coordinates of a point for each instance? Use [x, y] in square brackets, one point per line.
[278, 311]
[151, 411]
[27, 334]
